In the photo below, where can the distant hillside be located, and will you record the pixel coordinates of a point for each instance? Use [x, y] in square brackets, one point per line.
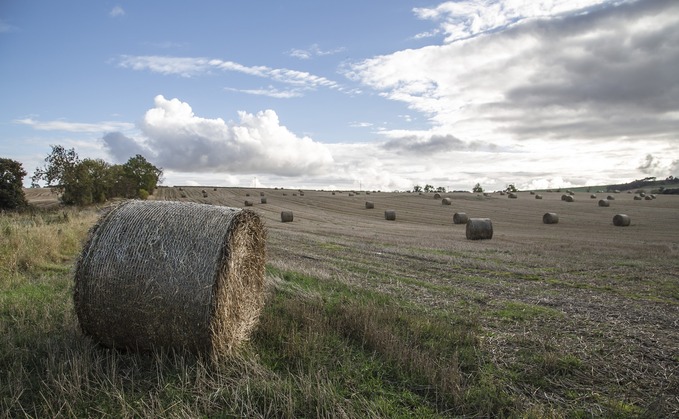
[666, 186]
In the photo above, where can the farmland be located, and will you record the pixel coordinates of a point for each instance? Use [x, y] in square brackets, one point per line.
[409, 318]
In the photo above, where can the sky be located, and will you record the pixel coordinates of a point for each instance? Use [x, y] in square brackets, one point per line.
[373, 95]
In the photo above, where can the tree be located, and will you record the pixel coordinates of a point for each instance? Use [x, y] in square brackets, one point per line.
[428, 188]
[417, 188]
[140, 174]
[477, 188]
[441, 189]
[511, 188]
[11, 184]
[58, 165]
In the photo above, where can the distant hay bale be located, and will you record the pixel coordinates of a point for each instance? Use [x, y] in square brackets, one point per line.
[652, 196]
[563, 197]
[550, 218]
[204, 194]
[621, 220]
[171, 274]
[301, 194]
[333, 193]
[460, 218]
[248, 203]
[247, 194]
[286, 216]
[479, 229]
[538, 196]
[532, 192]
[642, 194]
[512, 195]
[610, 198]
[637, 198]
[262, 200]
[604, 203]
[502, 192]
[261, 194]
[214, 189]
[593, 196]
[437, 196]
[445, 201]
[183, 195]
[294, 194]
[350, 194]
[569, 198]
[390, 215]
[369, 205]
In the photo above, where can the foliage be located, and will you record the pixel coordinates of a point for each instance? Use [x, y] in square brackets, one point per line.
[83, 182]
[477, 188]
[441, 189]
[511, 188]
[417, 188]
[11, 184]
[428, 188]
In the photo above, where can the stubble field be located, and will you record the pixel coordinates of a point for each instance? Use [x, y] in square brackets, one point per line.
[575, 319]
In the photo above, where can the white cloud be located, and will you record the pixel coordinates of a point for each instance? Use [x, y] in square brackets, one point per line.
[59, 125]
[191, 67]
[181, 141]
[117, 11]
[270, 92]
[313, 51]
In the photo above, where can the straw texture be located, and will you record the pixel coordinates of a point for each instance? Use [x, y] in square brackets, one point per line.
[550, 218]
[460, 218]
[479, 229]
[172, 274]
[621, 220]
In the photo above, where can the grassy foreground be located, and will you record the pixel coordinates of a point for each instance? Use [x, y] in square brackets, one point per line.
[322, 349]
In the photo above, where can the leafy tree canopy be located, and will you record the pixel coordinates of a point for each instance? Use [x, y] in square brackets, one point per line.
[11, 184]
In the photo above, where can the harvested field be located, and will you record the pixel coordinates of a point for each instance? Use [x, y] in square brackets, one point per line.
[578, 318]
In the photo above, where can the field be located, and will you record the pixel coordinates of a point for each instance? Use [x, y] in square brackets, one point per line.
[393, 318]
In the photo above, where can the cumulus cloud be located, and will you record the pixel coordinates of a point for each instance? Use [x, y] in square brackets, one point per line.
[122, 147]
[549, 73]
[257, 143]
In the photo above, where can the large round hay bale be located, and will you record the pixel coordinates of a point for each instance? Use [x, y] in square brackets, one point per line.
[286, 216]
[446, 201]
[593, 196]
[550, 218]
[637, 198]
[604, 203]
[512, 195]
[171, 274]
[262, 200]
[648, 197]
[538, 196]
[248, 203]
[610, 198]
[569, 198]
[564, 197]
[437, 196]
[479, 229]
[621, 220]
[460, 218]
[369, 205]
[390, 215]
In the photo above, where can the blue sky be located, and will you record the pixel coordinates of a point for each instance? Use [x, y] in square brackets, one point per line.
[379, 95]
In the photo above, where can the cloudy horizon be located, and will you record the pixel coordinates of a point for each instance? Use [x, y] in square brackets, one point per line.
[541, 95]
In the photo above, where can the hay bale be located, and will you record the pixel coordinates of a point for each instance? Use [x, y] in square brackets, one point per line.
[569, 198]
[262, 200]
[538, 196]
[460, 218]
[286, 216]
[437, 196]
[593, 196]
[621, 220]
[532, 192]
[351, 194]
[171, 274]
[550, 218]
[479, 229]
[248, 203]
[369, 205]
[261, 194]
[637, 198]
[445, 201]
[390, 215]
[513, 195]
[564, 197]
[648, 197]
[610, 198]
[604, 203]
[214, 189]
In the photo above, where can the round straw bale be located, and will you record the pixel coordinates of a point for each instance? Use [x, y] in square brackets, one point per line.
[479, 229]
[247, 194]
[350, 194]
[286, 216]
[652, 196]
[171, 274]
[637, 198]
[262, 200]
[610, 198]
[333, 193]
[564, 197]
[532, 192]
[390, 215]
[460, 218]
[294, 194]
[621, 220]
[569, 198]
[648, 197]
[369, 205]
[261, 194]
[593, 196]
[513, 195]
[248, 203]
[445, 201]
[550, 218]
[538, 196]
[437, 196]
[502, 192]
[604, 203]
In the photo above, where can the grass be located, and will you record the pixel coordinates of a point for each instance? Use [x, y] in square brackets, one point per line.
[324, 347]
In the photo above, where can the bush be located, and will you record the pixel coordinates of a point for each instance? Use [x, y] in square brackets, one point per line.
[143, 194]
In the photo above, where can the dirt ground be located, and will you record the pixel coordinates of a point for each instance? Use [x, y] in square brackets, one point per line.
[606, 296]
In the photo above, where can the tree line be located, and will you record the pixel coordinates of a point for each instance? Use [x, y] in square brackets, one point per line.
[79, 181]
